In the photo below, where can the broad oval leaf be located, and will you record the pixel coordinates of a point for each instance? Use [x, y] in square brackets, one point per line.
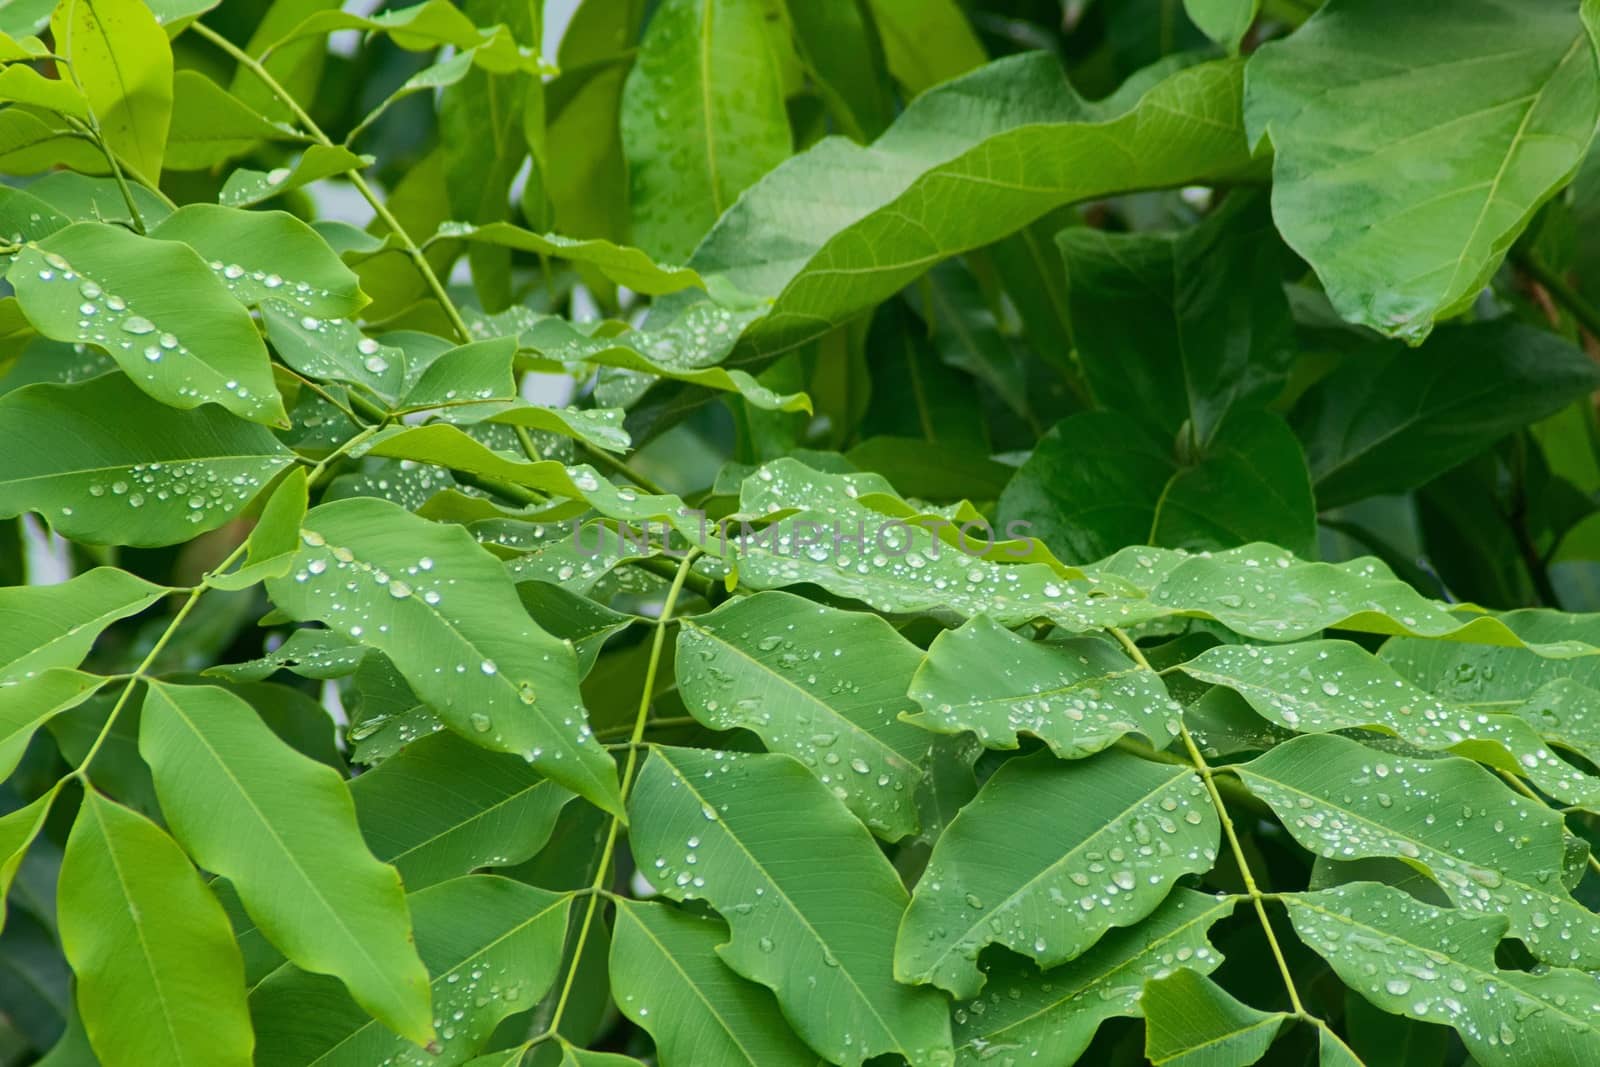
[166, 319]
[1405, 212]
[44, 626]
[159, 977]
[811, 902]
[444, 611]
[822, 685]
[1096, 843]
[666, 976]
[108, 465]
[282, 829]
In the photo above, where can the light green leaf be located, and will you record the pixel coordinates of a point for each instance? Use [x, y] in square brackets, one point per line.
[22, 84]
[335, 349]
[666, 977]
[1190, 1021]
[1406, 209]
[1096, 482]
[841, 227]
[622, 264]
[1078, 696]
[572, 1056]
[445, 612]
[29, 144]
[443, 807]
[811, 902]
[926, 41]
[108, 465]
[1028, 1014]
[1437, 965]
[1322, 686]
[702, 118]
[275, 539]
[822, 685]
[1500, 853]
[18, 829]
[261, 255]
[1390, 419]
[422, 28]
[281, 828]
[159, 979]
[44, 626]
[1224, 21]
[119, 56]
[31, 701]
[492, 946]
[245, 187]
[157, 308]
[211, 126]
[1095, 843]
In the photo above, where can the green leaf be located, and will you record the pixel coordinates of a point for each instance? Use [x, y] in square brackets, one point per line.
[245, 187]
[108, 465]
[1177, 330]
[1096, 482]
[1438, 965]
[620, 263]
[1094, 843]
[421, 28]
[159, 979]
[44, 626]
[666, 977]
[1078, 696]
[281, 827]
[1389, 419]
[702, 118]
[961, 167]
[275, 539]
[1027, 1014]
[1224, 21]
[926, 41]
[1405, 210]
[261, 255]
[1499, 854]
[1190, 1021]
[838, 41]
[442, 807]
[492, 947]
[18, 830]
[33, 700]
[211, 126]
[119, 56]
[445, 612]
[822, 685]
[811, 902]
[157, 309]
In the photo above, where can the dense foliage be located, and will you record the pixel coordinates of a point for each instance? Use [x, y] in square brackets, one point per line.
[723, 532]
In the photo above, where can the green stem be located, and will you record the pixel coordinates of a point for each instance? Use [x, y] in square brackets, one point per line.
[603, 873]
[248, 62]
[1250, 886]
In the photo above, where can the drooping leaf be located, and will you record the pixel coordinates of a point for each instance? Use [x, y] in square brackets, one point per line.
[28, 702]
[18, 830]
[620, 263]
[492, 947]
[56, 625]
[1438, 965]
[811, 902]
[822, 685]
[156, 307]
[282, 829]
[1078, 696]
[702, 118]
[1027, 1014]
[106, 464]
[666, 976]
[275, 539]
[1190, 1021]
[119, 56]
[1499, 854]
[1406, 212]
[443, 807]
[159, 979]
[445, 612]
[1096, 843]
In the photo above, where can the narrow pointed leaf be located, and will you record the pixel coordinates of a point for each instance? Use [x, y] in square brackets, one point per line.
[1097, 843]
[622, 264]
[492, 947]
[29, 703]
[281, 827]
[1077, 696]
[822, 685]
[108, 465]
[275, 539]
[159, 979]
[1190, 1021]
[811, 902]
[44, 626]
[445, 612]
[1499, 854]
[18, 830]
[155, 306]
[1437, 965]
[666, 976]
[443, 807]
